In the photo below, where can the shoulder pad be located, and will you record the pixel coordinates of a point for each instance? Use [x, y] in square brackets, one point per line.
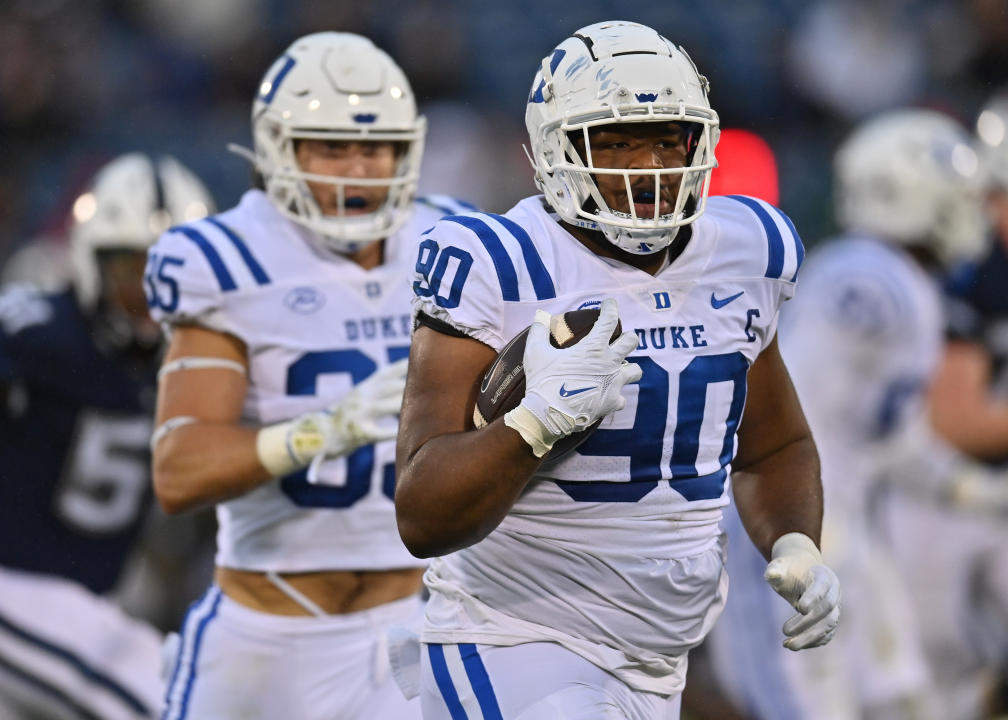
[468, 264]
[780, 251]
[194, 268]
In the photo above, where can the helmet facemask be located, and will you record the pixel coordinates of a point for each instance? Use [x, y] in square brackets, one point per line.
[131, 201]
[122, 317]
[676, 188]
[288, 185]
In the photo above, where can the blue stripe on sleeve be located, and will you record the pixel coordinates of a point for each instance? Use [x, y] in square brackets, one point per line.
[480, 681]
[799, 246]
[444, 682]
[79, 665]
[775, 264]
[502, 261]
[224, 278]
[541, 280]
[253, 265]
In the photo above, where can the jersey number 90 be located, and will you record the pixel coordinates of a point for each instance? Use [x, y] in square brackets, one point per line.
[444, 271]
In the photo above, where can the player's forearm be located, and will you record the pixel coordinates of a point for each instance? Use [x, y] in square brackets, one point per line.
[203, 463]
[980, 430]
[456, 489]
[963, 408]
[780, 493]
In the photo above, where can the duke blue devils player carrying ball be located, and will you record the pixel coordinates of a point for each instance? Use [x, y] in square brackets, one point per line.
[77, 375]
[279, 393]
[575, 589]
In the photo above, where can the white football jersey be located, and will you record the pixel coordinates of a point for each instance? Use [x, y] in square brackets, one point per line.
[861, 341]
[617, 543]
[314, 324]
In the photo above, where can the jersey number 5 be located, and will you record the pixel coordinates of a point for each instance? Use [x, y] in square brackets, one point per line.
[106, 478]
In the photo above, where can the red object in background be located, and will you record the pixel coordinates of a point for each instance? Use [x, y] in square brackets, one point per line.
[746, 166]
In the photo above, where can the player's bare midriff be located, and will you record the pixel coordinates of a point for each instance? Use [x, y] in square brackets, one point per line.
[335, 591]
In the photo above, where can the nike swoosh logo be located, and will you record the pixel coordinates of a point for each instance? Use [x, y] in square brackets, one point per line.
[718, 304]
[564, 392]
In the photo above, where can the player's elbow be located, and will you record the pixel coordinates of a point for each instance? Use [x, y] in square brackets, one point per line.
[415, 536]
[168, 487]
[427, 534]
[172, 502]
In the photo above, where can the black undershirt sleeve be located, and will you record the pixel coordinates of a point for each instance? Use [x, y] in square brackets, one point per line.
[440, 326]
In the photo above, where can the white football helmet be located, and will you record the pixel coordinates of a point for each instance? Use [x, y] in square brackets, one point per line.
[992, 136]
[618, 72]
[912, 177]
[131, 201]
[336, 86]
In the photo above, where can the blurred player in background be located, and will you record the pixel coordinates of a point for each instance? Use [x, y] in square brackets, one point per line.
[574, 588]
[280, 390]
[77, 380]
[862, 341]
[965, 621]
[969, 398]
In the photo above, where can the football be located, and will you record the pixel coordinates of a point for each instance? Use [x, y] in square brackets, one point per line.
[503, 384]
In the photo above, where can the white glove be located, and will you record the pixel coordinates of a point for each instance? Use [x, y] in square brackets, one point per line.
[797, 573]
[567, 390]
[339, 429]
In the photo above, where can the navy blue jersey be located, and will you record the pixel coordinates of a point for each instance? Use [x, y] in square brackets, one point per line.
[74, 429]
[978, 308]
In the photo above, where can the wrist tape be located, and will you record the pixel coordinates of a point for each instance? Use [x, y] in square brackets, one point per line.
[288, 446]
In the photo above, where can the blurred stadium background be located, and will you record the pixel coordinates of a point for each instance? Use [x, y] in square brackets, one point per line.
[81, 82]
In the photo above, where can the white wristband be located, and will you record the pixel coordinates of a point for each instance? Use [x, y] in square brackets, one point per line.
[288, 446]
[530, 428]
[167, 426]
[795, 543]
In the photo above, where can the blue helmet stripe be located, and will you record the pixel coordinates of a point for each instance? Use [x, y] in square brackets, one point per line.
[541, 280]
[224, 278]
[275, 83]
[444, 682]
[480, 681]
[506, 273]
[253, 265]
[775, 264]
[77, 663]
